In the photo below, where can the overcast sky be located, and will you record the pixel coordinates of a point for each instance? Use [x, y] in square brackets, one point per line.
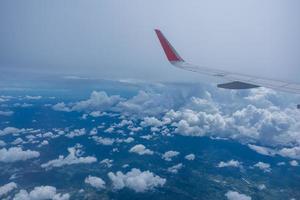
[114, 39]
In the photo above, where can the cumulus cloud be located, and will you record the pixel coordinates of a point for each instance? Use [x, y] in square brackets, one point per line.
[136, 180]
[261, 187]
[41, 193]
[141, 150]
[7, 188]
[61, 107]
[230, 163]
[98, 101]
[262, 150]
[167, 156]
[10, 130]
[107, 162]
[95, 182]
[256, 116]
[110, 141]
[232, 195]
[127, 140]
[43, 143]
[144, 104]
[293, 152]
[6, 113]
[2, 143]
[174, 169]
[103, 141]
[146, 137]
[263, 166]
[76, 133]
[71, 159]
[23, 105]
[152, 121]
[15, 154]
[260, 94]
[190, 156]
[17, 141]
[294, 163]
[33, 97]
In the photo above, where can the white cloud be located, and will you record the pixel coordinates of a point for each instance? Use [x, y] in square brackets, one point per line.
[61, 107]
[230, 163]
[136, 180]
[49, 135]
[107, 162]
[127, 140]
[294, 163]
[109, 130]
[98, 101]
[43, 143]
[190, 156]
[96, 114]
[5, 189]
[261, 187]
[141, 150]
[256, 116]
[262, 150]
[94, 131]
[103, 141]
[10, 130]
[41, 193]
[146, 137]
[263, 166]
[2, 143]
[281, 163]
[95, 182]
[15, 154]
[17, 141]
[260, 94]
[33, 97]
[232, 195]
[143, 104]
[110, 141]
[23, 105]
[293, 152]
[151, 121]
[125, 122]
[167, 156]
[6, 113]
[174, 169]
[76, 133]
[72, 158]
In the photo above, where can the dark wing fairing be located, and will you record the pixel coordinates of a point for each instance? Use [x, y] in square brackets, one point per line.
[237, 85]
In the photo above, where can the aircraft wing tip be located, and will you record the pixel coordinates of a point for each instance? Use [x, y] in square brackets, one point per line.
[169, 50]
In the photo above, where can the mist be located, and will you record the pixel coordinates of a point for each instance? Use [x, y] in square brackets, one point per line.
[115, 39]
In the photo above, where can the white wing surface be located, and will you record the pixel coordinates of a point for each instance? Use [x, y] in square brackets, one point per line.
[233, 80]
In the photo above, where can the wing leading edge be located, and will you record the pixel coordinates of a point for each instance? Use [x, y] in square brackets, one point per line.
[234, 80]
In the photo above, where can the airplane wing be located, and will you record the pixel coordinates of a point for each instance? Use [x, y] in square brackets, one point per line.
[233, 80]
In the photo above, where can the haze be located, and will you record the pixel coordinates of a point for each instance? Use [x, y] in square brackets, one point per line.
[115, 40]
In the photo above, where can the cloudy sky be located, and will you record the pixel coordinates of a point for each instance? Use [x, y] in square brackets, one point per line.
[115, 39]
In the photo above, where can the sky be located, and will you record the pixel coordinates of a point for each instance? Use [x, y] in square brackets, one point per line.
[115, 39]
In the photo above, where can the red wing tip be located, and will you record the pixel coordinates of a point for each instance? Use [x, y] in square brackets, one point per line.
[170, 52]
